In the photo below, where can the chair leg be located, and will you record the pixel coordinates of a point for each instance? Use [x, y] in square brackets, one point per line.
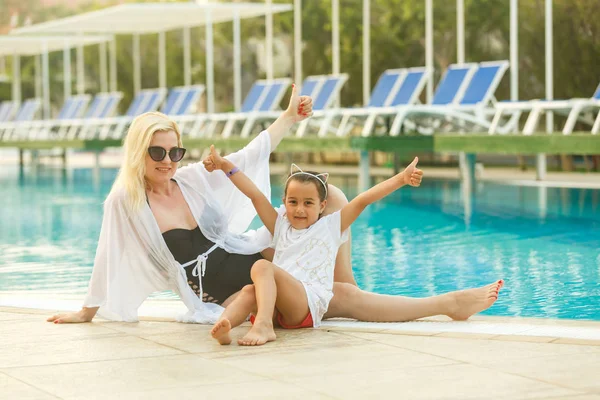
[397, 124]
[532, 121]
[495, 122]
[197, 127]
[247, 129]
[118, 131]
[343, 124]
[369, 125]
[210, 127]
[572, 119]
[325, 124]
[512, 125]
[104, 131]
[86, 132]
[302, 128]
[229, 125]
[596, 127]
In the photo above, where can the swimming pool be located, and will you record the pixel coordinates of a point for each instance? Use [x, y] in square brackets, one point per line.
[545, 242]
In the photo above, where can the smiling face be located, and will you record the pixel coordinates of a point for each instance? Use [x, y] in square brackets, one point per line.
[302, 203]
[160, 172]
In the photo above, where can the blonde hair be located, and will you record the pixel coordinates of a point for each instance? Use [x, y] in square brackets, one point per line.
[132, 174]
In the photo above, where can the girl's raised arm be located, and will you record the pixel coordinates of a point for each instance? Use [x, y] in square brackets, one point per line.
[265, 210]
[410, 176]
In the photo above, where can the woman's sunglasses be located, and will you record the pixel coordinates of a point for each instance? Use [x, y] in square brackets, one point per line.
[158, 153]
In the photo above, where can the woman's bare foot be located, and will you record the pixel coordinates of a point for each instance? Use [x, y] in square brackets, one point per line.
[220, 331]
[472, 301]
[259, 334]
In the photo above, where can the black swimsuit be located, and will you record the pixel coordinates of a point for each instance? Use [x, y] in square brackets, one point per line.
[226, 273]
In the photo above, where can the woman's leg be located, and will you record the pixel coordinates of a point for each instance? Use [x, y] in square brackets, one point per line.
[336, 200]
[351, 302]
[235, 314]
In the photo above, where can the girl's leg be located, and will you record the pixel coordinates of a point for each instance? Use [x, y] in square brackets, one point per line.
[265, 290]
[351, 302]
[336, 200]
[292, 303]
[235, 314]
[274, 287]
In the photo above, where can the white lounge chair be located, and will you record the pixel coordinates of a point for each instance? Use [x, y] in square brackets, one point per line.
[452, 85]
[27, 112]
[471, 109]
[394, 87]
[324, 98]
[103, 106]
[264, 97]
[146, 100]
[181, 104]
[576, 110]
[311, 86]
[8, 109]
[39, 129]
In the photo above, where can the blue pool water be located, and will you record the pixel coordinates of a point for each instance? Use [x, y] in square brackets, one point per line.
[545, 242]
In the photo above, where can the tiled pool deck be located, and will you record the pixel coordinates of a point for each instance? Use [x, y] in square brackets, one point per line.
[502, 358]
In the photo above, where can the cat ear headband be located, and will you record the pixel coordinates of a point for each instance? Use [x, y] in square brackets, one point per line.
[295, 170]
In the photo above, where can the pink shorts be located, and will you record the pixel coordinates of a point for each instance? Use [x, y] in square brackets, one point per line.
[307, 323]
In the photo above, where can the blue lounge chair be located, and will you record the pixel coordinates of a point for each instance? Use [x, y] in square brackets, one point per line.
[146, 100]
[251, 102]
[103, 106]
[181, 105]
[181, 100]
[264, 96]
[310, 87]
[73, 107]
[8, 109]
[28, 111]
[393, 88]
[471, 105]
[324, 98]
[453, 84]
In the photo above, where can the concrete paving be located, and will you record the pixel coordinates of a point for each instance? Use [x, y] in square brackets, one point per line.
[156, 359]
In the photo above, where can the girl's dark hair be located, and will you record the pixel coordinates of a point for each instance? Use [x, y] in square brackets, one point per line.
[317, 181]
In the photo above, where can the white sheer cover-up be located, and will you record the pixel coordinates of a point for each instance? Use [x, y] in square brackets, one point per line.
[132, 259]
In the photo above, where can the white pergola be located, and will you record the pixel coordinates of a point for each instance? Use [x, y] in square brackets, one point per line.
[17, 46]
[146, 18]
[157, 18]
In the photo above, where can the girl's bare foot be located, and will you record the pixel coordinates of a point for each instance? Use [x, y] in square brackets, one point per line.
[220, 331]
[259, 334]
[70, 318]
[472, 301]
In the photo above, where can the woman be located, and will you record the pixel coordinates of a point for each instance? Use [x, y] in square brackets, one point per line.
[184, 230]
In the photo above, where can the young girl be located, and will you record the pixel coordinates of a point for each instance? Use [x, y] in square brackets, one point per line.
[295, 289]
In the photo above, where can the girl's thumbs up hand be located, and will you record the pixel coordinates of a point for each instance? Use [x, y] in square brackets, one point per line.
[412, 175]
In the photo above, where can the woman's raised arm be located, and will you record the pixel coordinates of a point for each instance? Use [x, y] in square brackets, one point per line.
[299, 109]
